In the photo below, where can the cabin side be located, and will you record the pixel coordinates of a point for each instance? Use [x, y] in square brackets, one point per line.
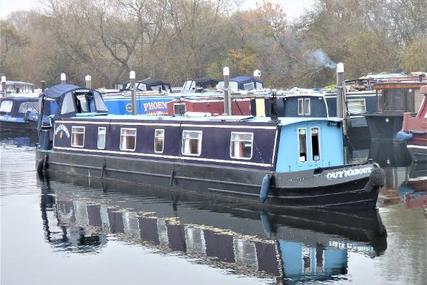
[150, 105]
[308, 144]
[237, 144]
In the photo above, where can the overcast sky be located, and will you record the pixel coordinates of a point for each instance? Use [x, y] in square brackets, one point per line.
[293, 8]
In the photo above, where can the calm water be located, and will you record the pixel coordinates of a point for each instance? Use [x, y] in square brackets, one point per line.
[65, 232]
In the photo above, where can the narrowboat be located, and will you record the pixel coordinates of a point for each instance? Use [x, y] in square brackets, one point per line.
[414, 130]
[18, 113]
[152, 95]
[286, 104]
[277, 161]
[211, 104]
[394, 97]
[285, 244]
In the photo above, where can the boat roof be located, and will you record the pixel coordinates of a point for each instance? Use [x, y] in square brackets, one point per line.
[153, 81]
[58, 90]
[21, 98]
[12, 82]
[282, 121]
[244, 79]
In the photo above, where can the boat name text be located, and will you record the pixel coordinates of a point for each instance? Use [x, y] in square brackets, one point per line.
[348, 173]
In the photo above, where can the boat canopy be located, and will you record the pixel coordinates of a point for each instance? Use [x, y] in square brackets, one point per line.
[199, 84]
[151, 84]
[66, 100]
[242, 82]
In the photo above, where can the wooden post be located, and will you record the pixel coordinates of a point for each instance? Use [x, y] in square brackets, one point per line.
[133, 91]
[63, 78]
[3, 86]
[257, 74]
[43, 85]
[227, 97]
[88, 80]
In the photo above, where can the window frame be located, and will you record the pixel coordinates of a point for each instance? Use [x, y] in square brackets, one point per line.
[252, 145]
[300, 104]
[105, 137]
[163, 142]
[299, 146]
[7, 106]
[179, 104]
[352, 100]
[307, 106]
[199, 145]
[121, 136]
[318, 143]
[72, 136]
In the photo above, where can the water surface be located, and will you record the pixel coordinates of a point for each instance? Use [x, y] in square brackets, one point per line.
[69, 231]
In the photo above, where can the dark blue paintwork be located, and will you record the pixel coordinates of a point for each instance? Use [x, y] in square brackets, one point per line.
[214, 136]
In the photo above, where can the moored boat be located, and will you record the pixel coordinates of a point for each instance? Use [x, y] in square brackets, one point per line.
[18, 113]
[395, 96]
[280, 161]
[414, 130]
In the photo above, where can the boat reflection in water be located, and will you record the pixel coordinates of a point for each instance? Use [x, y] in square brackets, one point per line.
[18, 137]
[413, 191]
[280, 244]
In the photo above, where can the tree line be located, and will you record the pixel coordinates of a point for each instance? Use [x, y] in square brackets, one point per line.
[180, 39]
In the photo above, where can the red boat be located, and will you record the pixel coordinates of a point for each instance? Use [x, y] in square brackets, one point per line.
[211, 106]
[414, 130]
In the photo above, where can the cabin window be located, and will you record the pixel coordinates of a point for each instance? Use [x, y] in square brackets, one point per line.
[249, 86]
[77, 136]
[356, 106]
[127, 139]
[302, 145]
[191, 143]
[6, 106]
[141, 87]
[159, 140]
[157, 88]
[301, 107]
[307, 107]
[99, 103]
[82, 103]
[102, 134]
[241, 145]
[179, 108]
[28, 106]
[315, 147]
[68, 104]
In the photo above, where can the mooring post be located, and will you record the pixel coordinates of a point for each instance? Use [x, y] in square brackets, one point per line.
[227, 97]
[132, 77]
[63, 78]
[88, 81]
[43, 85]
[341, 104]
[3, 86]
[257, 74]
